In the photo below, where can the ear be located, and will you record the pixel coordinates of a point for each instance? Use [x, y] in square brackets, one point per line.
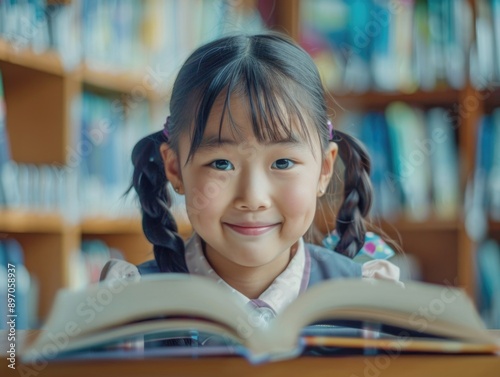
[327, 167]
[172, 167]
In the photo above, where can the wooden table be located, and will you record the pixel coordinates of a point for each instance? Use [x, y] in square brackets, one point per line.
[418, 366]
[350, 366]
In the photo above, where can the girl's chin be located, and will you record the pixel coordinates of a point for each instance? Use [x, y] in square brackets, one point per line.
[254, 260]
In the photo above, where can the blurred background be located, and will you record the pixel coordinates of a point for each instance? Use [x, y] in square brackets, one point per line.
[81, 81]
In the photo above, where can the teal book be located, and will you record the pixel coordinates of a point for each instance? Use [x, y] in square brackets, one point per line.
[3, 285]
[476, 198]
[411, 159]
[375, 136]
[21, 313]
[494, 176]
[4, 145]
[442, 148]
[488, 272]
[495, 8]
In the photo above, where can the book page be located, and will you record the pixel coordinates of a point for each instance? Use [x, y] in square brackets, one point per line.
[433, 309]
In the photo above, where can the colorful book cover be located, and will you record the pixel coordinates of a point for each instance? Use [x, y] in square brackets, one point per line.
[441, 145]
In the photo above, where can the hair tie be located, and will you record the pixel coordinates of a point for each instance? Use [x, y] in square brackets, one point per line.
[165, 128]
[330, 129]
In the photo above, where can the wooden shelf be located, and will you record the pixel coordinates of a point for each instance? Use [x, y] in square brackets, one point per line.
[126, 82]
[103, 225]
[494, 226]
[30, 222]
[430, 225]
[491, 97]
[381, 99]
[48, 62]
[121, 226]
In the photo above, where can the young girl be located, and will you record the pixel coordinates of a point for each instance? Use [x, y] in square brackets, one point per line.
[249, 143]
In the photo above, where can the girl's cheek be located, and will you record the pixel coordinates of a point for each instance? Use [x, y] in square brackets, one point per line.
[298, 199]
[203, 197]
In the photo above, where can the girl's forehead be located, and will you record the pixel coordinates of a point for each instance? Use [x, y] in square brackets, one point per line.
[240, 119]
[241, 114]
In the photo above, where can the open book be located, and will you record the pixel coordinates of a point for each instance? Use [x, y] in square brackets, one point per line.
[174, 303]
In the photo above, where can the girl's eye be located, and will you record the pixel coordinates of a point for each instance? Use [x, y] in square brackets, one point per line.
[222, 165]
[282, 164]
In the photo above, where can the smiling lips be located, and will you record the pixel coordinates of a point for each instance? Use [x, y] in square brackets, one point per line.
[252, 229]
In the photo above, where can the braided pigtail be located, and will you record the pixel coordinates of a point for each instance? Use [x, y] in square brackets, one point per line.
[358, 194]
[150, 183]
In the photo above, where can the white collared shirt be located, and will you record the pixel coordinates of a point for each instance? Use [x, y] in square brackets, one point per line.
[288, 285]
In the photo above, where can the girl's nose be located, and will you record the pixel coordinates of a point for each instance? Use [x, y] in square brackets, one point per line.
[253, 193]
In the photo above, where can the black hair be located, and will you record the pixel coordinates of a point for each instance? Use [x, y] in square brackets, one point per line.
[281, 82]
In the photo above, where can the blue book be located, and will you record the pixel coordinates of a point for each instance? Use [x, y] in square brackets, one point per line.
[23, 310]
[374, 135]
[389, 197]
[412, 168]
[486, 146]
[357, 76]
[382, 52]
[442, 148]
[488, 272]
[494, 177]
[4, 144]
[495, 8]
[476, 221]
[3, 286]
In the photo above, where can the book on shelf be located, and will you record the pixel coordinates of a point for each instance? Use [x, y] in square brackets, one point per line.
[412, 165]
[109, 316]
[481, 195]
[374, 134]
[488, 284]
[441, 146]
[482, 72]
[18, 289]
[495, 7]
[494, 174]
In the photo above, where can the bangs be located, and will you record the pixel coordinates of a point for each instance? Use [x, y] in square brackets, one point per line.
[277, 110]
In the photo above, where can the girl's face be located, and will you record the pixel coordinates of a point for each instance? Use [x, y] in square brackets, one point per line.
[249, 201]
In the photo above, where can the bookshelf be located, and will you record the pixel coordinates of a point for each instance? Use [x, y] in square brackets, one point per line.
[40, 92]
[443, 247]
[39, 82]
[48, 62]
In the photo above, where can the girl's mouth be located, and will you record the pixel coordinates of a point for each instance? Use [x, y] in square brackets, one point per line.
[252, 229]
